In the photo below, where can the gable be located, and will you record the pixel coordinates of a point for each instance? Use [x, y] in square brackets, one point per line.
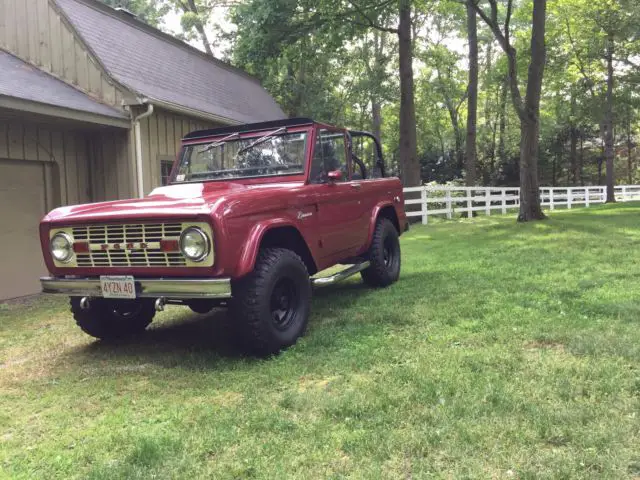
[34, 31]
[166, 70]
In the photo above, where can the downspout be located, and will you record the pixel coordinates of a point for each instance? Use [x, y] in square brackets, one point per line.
[138, 153]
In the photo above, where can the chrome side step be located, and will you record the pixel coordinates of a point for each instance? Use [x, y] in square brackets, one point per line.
[341, 275]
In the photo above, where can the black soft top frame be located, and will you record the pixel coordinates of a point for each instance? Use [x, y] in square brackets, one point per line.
[249, 127]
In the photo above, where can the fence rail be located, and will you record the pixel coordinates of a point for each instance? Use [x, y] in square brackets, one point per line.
[448, 201]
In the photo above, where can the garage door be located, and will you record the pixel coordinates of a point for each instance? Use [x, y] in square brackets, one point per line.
[22, 205]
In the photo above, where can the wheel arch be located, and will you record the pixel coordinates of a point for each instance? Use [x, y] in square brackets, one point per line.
[279, 235]
[384, 210]
[389, 212]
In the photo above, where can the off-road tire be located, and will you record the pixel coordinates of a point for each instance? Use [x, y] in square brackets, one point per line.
[384, 255]
[266, 321]
[108, 319]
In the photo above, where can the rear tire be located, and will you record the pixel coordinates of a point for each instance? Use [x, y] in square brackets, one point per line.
[384, 255]
[108, 319]
[271, 305]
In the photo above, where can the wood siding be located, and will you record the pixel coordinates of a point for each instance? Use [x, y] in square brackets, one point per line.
[34, 31]
[62, 152]
[161, 135]
[112, 165]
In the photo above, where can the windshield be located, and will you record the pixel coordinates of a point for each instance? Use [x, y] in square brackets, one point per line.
[265, 154]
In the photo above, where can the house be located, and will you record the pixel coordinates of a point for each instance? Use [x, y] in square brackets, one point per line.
[93, 104]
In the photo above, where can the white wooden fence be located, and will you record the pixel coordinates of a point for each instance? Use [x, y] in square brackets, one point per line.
[447, 201]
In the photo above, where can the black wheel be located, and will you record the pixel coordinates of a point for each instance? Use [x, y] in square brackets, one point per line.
[384, 255]
[108, 319]
[271, 305]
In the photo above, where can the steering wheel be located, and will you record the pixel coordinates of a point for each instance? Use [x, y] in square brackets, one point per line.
[360, 163]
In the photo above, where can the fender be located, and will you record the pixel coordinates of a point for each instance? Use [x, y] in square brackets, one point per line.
[374, 216]
[251, 247]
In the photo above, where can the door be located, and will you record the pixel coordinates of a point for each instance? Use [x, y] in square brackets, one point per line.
[337, 201]
[22, 206]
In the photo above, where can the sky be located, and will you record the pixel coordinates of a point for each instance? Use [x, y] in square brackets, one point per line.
[171, 24]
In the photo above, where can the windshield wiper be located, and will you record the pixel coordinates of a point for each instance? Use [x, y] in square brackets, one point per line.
[264, 138]
[213, 145]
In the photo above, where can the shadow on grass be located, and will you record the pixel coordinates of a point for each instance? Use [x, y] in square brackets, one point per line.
[193, 341]
[608, 225]
[188, 340]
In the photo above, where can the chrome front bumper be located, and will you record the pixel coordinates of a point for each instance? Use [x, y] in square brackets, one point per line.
[145, 287]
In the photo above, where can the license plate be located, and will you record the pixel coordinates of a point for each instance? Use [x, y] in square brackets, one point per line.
[117, 286]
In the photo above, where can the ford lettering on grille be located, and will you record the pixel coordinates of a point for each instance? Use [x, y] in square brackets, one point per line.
[126, 246]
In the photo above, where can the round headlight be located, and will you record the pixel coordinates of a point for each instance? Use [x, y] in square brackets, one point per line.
[194, 244]
[61, 247]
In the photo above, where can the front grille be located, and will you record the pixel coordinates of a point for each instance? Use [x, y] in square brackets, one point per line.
[149, 233]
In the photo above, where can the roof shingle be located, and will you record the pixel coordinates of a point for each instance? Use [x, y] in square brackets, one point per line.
[160, 68]
[21, 80]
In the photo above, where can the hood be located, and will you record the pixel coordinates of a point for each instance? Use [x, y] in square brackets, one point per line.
[179, 201]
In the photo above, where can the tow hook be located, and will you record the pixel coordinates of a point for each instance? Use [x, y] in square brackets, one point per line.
[85, 303]
[160, 303]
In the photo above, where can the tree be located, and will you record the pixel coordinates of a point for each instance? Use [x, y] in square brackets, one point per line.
[408, 136]
[149, 11]
[472, 94]
[448, 80]
[195, 16]
[527, 108]
[604, 44]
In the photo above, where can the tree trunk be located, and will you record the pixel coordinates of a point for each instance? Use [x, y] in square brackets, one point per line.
[609, 152]
[629, 147]
[459, 147]
[529, 188]
[488, 81]
[378, 73]
[581, 160]
[600, 161]
[530, 208]
[573, 153]
[502, 151]
[408, 137]
[200, 28]
[472, 105]
[573, 156]
[376, 118]
[492, 156]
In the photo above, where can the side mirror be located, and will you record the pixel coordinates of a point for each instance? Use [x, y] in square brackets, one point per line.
[334, 176]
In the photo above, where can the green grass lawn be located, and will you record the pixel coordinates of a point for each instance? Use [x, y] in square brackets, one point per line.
[504, 351]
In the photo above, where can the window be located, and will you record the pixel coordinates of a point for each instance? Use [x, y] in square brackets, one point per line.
[364, 148]
[329, 154]
[165, 171]
[261, 155]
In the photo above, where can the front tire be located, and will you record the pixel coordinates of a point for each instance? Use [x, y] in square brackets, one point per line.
[271, 305]
[108, 319]
[384, 255]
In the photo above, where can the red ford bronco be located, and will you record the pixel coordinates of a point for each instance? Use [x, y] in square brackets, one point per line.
[250, 214]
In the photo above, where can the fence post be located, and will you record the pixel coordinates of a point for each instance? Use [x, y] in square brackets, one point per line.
[423, 197]
[624, 193]
[503, 200]
[603, 191]
[487, 202]
[469, 202]
[448, 200]
[587, 194]
[551, 206]
[569, 192]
